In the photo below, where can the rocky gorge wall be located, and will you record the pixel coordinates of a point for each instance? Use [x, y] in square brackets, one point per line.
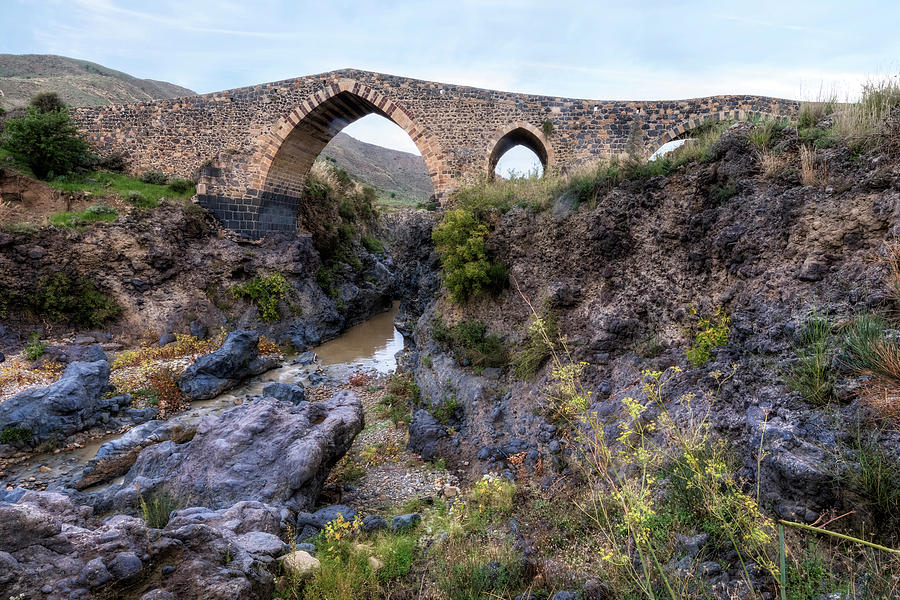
[621, 279]
[173, 266]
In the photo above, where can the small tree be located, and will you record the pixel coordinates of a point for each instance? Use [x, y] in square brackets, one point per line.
[47, 102]
[48, 142]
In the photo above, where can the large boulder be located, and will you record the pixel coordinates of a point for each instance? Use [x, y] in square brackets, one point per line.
[77, 401]
[51, 548]
[237, 359]
[264, 450]
[116, 456]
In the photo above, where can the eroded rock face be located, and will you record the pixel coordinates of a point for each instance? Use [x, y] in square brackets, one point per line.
[74, 403]
[116, 456]
[222, 369]
[264, 450]
[53, 549]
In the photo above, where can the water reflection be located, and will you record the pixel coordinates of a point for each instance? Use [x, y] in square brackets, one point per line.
[368, 346]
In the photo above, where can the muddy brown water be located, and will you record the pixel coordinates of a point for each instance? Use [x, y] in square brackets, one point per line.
[369, 346]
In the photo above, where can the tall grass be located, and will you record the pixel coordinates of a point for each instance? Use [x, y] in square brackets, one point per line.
[871, 350]
[812, 374]
[862, 123]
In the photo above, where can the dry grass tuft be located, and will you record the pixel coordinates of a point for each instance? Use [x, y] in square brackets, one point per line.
[772, 163]
[812, 169]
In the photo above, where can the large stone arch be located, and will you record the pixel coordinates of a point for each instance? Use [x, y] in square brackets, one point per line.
[676, 132]
[518, 133]
[288, 150]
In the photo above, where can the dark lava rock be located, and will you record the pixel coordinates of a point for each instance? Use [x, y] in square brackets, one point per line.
[304, 358]
[198, 329]
[237, 359]
[324, 516]
[404, 522]
[424, 434]
[288, 392]
[373, 523]
[67, 353]
[264, 450]
[116, 456]
[74, 403]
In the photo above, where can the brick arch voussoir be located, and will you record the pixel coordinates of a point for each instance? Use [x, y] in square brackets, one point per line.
[697, 120]
[499, 134]
[424, 140]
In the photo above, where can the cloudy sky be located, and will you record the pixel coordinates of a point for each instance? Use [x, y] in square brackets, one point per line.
[604, 50]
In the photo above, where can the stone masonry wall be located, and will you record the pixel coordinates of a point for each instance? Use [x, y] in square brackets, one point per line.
[252, 147]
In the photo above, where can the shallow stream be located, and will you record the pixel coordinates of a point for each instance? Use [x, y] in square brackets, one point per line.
[369, 346]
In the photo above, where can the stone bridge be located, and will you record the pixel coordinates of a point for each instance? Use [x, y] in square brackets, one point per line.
[251, 148]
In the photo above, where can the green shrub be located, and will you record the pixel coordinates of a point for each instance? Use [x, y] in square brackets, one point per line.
[76, 300]
[467, 269]
[154, 178]
[537, 346]
[34, 349]
[471, 341]
[372, 244]
[265, 292]
[812, 374]
[14, 434]
[47, 142]
[712, 333]
[445, 410]
[181, 186]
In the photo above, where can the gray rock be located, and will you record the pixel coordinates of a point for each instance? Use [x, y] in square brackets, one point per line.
[166, 339]
[325, 515]
[125, 565]
[373, 523]
[287, 392]
[94, 574]
[405, 522]
[198, 329]
[74, 403]
[424, 434]
[68, 353]
[264, 450]
[310, 548]
[304, 358]
[260, 542]
[116, 456]
[564, 595]
[237, 359]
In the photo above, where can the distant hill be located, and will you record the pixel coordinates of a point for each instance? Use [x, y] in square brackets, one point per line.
[78, 82]
[389, 171]
[399, 177]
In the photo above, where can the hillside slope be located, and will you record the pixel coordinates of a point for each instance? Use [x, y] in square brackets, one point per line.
[389, 171]
[78, 82]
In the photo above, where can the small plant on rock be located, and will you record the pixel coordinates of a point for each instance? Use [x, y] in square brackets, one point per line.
[34, 349]
[712, 333]
[265, 292]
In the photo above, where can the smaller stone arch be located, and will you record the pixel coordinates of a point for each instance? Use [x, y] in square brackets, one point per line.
[518, 133]
[697, 120]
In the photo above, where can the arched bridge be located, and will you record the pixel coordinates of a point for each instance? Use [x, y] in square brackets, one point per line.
[253, 147]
